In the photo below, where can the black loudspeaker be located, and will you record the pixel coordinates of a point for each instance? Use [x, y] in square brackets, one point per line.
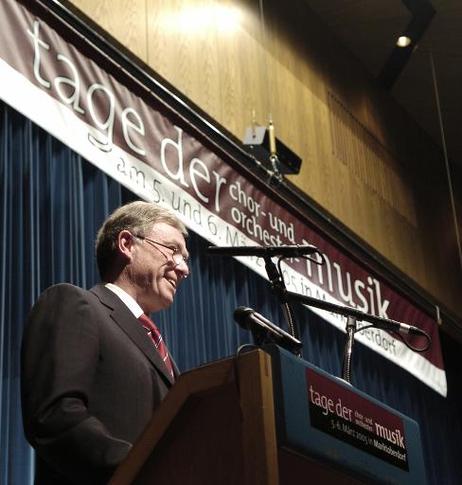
[257, 144]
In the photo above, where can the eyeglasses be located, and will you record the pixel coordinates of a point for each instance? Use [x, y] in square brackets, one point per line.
[177, 257]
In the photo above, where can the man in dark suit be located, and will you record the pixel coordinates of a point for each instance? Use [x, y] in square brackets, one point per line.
[94, 367]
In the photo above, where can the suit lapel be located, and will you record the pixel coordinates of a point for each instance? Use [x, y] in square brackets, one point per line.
[125, 319]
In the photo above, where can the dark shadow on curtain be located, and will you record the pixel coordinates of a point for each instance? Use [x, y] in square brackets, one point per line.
[52, 203]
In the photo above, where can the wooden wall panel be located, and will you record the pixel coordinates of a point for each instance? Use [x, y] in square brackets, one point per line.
[124, 20]
[219, 70]
[364, 160]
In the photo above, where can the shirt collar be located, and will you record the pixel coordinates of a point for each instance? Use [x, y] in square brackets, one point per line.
[126, 298]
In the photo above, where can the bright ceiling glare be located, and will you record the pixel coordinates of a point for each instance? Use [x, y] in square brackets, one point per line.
[403, 41]
[203, 19]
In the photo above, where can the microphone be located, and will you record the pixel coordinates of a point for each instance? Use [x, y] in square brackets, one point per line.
[402, 328]
[264, 331]
[293, 251]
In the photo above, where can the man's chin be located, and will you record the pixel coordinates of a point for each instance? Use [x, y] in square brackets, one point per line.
[166, 300]
[161, 302]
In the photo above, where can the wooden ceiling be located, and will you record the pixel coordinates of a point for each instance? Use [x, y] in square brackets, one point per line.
[369, 28]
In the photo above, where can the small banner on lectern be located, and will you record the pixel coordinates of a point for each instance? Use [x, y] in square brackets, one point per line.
[348, 416]
[63, 84]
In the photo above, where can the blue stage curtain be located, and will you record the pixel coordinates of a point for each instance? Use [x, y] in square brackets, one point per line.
[52, 203]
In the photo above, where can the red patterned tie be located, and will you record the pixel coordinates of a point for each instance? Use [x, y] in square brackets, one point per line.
[159, 343]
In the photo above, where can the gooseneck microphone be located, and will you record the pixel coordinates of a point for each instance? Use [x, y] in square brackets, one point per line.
[291, 251]
[265, 331]
[402, 328]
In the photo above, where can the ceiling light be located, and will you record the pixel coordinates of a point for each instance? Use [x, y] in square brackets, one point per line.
[403, 41]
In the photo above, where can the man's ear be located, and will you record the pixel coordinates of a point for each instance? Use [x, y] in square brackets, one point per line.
[125, 244]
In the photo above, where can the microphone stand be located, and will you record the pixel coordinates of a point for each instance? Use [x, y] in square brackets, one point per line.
[279, 288]
[352, 316]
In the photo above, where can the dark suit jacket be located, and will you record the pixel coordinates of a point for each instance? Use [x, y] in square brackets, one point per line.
[90, 381]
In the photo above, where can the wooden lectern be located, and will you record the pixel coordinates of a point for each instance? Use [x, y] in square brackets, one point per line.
[217, 426]
[270, 418]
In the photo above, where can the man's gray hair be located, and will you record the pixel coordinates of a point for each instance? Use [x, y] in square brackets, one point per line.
[137, 217]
